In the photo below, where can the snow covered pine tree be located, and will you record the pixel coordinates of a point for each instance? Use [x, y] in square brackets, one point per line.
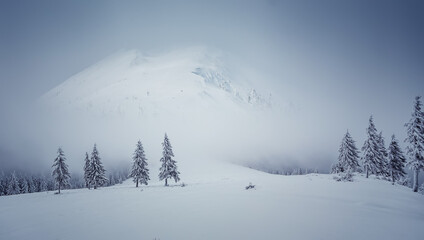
[396, 160]
[13, 185]
[372, 156]
[139, 172]
[169, 167]
[415, 138]
[383, 167]
[60, 172]
[87, 169]
[348, 156]
[97, 172]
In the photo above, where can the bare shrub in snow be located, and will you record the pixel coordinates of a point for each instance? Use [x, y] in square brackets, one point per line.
[250, 186]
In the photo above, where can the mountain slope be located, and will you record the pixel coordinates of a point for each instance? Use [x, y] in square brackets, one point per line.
[198, 95]
[132, 83]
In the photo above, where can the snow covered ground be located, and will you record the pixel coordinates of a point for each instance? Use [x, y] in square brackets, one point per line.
[215, 205]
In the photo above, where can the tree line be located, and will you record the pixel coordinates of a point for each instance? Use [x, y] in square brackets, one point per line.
[387, 163]
[94, 173]
[19, 182]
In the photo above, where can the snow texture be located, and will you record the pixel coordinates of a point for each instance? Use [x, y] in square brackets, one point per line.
[214, 204]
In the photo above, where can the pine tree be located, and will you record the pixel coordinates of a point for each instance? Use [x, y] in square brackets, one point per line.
[23, 185]
[396, 160]
[372, 158]
[140, 172]
[383, 165]
[3, 186]
[43, 185]
[169, 167]
[31, 185]
[60, 172]
[97, 172]
[111, 180]
[13, 185]
[87, 169]
[415, 138]
[348, 155]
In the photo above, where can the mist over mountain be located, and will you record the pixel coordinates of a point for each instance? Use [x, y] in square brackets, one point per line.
[321, 67]
[234, 119]
[129, 81]
[209, 106]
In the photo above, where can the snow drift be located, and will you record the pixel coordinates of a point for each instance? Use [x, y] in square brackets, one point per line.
[215, 205]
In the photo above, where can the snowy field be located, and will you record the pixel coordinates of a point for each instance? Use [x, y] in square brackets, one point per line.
[215, 205]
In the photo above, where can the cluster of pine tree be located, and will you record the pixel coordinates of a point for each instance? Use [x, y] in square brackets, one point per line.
[286, 171]
[168, 170]
[18, 183]
[94, 172]
[24, 182]
[376, 159]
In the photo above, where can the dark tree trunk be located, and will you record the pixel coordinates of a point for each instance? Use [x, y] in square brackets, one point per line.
[136, 184]
[415, 188]
[366, 170]
[393, 177]
[166, 181]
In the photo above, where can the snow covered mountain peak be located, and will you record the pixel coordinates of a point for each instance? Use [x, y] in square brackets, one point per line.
[131, 82]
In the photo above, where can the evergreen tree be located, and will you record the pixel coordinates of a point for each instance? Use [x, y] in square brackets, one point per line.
[140, 172]
[396, 160]
[36, 182]
[415, 138]
[23, 185]
[43, 185]
[111, 180]
[348, 155]
[383, 165]
[372, 158]
[3, 185]
[169, 167]
[60, 172]
[51, 184]
[31, 185]
[87, 170]
[13, 185]
[97, 172]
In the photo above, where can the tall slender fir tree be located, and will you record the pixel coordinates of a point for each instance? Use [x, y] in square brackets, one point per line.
[60, 172]
[97, 172]
[415, 140]
[396, 160]
[140, 172]
[87, 170]
[372, 158]
[348, 156]
[169, 167]
[383, 165]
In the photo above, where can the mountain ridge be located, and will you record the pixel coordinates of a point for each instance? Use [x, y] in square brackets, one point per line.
[128, 81]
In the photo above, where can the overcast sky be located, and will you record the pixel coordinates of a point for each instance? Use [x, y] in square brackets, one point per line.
[337, 61]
